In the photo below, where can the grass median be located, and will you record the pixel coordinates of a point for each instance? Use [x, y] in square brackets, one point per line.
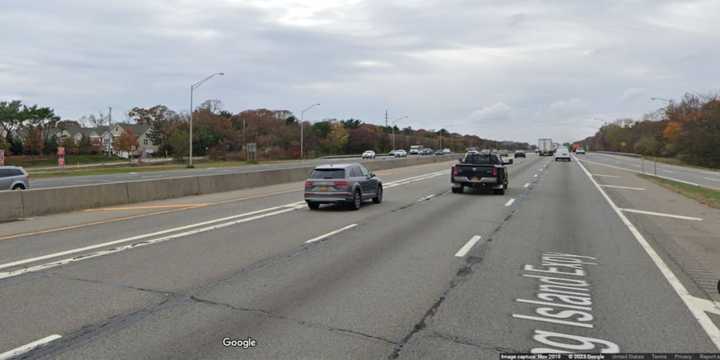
[704, 195]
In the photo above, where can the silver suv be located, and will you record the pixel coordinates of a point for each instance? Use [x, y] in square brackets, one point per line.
[13, 178]
[342, 183]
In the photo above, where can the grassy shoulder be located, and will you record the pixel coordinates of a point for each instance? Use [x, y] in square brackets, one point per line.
[132, 168]
[678, 162]
[703, 195]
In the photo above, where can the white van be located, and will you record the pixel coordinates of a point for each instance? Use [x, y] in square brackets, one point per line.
[562, 153]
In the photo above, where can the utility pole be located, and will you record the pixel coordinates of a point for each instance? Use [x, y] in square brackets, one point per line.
[109, 147]
[302, 133]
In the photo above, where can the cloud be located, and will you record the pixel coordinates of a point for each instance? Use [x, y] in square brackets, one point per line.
[496, 112]
[432, 60]
[632, 93]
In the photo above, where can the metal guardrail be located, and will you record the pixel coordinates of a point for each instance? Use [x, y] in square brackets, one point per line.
[619, 153]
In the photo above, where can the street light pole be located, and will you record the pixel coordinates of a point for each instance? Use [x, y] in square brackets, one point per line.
[302, 131]
[393, 129]
[192, 90]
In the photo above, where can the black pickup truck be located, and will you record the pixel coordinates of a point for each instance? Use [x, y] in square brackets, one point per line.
[480, 170]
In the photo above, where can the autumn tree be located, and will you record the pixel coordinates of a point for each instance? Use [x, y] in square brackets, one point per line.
[126, 142]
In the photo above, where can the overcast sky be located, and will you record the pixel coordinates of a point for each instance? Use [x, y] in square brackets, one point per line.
[505, 70]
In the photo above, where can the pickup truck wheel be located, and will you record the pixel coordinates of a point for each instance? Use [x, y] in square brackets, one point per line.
[499, 191]
[379, 196]
[357, 200]
[18, 187]
[457, 190]
[313, 205]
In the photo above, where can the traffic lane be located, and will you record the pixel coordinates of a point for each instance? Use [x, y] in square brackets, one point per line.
[131, 176]
[705, 178]
[686, 232]
[213, 206]
[180, 264]
[172, 268]
[632, 305]
[370, 284]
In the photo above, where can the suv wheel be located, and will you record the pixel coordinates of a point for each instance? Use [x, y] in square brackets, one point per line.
[457, 190]
[313, 205]
[379, 197]
[18, 187]
[357, 200]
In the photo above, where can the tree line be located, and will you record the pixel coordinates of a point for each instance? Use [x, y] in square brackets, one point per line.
[221, 134]
[688, 129]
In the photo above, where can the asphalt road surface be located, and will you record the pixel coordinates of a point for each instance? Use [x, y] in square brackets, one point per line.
[705, 178]
[553, 265]
[130, 176]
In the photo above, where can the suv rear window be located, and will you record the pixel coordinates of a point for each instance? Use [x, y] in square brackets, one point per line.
[328, 174]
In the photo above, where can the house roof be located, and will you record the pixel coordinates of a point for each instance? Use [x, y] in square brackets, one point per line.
[137, 129]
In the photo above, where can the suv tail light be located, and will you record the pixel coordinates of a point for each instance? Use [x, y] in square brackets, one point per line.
[494, 171]
[341, 184]
[308, 184]
[455, 171]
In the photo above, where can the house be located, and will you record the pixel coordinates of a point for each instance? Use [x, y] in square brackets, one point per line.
[282, 114]
[142, 131]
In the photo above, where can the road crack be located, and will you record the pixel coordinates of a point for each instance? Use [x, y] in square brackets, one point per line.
[304, 323]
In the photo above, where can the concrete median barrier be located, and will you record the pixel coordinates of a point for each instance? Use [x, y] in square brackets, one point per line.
[11, 206]
[56, 200]
[36, 202]
[161, 189]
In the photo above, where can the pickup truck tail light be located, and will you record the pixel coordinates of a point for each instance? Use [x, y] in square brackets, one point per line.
[341, 184]
[494, 171]
[455, 171]
[308, 184]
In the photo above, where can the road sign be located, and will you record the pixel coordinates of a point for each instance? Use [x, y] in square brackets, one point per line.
[251, 151]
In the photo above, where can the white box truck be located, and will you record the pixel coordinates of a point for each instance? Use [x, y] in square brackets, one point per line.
[545, 147]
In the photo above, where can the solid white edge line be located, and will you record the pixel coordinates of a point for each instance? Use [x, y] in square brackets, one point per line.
[604, 175]
[45, 266]
[510, 202]
[28, 347]
[527, 185]
[645, 212]
[138, 237]
[622, 187]
[703, 319]
[464, 250]
[331, 233]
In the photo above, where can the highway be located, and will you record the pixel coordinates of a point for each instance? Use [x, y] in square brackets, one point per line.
[691, 175]
[131, 176]
[574, 257]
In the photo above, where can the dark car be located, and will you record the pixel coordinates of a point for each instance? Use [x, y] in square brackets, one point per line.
[13, 178]
[349, 184]
[519, 154]
[480, 170]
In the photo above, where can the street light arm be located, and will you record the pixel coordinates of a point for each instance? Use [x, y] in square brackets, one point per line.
[308, 108]
[197, 84]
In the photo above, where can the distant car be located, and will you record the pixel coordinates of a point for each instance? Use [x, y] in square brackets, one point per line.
[369, 154]
[439, 152]
[580, 151]
[562, 154]
[426, 151]
[519, 154]
[398, 153]
[342, 184]
[446, 151]
[13, 178]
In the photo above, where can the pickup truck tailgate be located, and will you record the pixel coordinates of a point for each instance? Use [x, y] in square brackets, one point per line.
[471, 171]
